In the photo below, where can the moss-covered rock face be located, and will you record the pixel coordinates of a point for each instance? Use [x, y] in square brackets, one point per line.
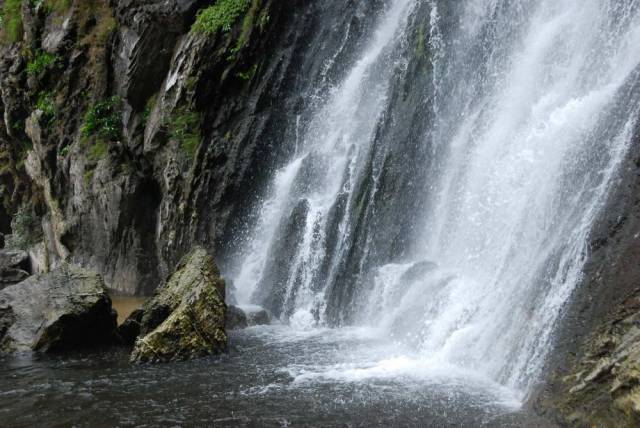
[186, 317]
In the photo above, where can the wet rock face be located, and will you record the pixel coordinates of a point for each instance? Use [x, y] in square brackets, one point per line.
[604, 387]
[63, 310]
[186, 317]
[593, 370]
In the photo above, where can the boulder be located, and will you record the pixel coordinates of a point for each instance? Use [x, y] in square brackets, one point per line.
[14, 258]
[63, 310]
[257, 315]
[186, 317]
[10, 276]
[129, 330]
[14, 267]
[236, 318]
[247, 316]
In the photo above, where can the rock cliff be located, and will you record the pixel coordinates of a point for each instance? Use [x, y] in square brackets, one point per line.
[129, 136]
[134, 130]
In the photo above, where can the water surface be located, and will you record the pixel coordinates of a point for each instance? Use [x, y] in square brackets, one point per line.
[272, 376]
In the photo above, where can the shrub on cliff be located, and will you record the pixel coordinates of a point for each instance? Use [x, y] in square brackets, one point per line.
[220, 16]
[40, 63]
[103, 120]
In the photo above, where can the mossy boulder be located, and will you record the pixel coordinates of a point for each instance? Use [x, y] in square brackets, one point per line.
[186, 317]
[62, 310]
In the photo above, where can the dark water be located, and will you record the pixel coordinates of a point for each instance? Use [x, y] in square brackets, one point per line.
[268, 379]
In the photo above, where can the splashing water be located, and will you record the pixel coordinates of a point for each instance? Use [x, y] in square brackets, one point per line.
[531, 107]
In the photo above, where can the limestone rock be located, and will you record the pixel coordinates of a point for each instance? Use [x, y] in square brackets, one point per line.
[186, 317]
[65, 309]
[14, 267]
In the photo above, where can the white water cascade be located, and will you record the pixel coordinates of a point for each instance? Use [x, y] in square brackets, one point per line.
[532, 108]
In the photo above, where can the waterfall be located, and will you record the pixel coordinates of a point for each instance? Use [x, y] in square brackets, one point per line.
[444, 190]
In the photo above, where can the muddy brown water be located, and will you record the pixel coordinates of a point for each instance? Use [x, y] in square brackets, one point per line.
[125, 305]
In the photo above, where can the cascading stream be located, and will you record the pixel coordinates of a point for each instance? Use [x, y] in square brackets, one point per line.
[530, 109]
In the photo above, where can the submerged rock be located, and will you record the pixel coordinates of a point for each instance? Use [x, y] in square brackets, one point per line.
[236, 318]
[186, 317]
[65, 309]
[246, 316]
[257, 315]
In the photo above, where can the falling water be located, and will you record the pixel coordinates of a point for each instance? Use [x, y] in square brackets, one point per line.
[454, 215]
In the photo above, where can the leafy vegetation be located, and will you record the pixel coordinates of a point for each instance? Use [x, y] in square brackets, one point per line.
[11, 21]
[220, 16]
[46, 105]
[184, 127]
[25, 230]
[102, 124]
[103, 120]
[41, 62]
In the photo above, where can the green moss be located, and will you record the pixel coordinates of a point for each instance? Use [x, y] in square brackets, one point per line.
[148, 108]
[88, 176]
[11, 21]
[184, 127]
[41, 62]
[103, 120]
[97, 151]
[421, 42]
[59, 6]
[247, 26]
[220, 16]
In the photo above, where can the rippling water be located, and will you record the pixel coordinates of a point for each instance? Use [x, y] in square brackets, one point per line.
[272, 376]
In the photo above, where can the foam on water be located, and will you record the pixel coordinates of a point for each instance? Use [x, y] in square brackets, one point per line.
[534, 106]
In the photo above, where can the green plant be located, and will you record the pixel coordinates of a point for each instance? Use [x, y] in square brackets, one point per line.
[220, 16]
[184, 127]
[11, 22]
[104, 120]
[41, 62]
[25, 229]
[46, 105]
[248, 75]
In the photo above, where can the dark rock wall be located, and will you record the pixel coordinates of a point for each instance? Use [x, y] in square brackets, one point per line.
[131, 208]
